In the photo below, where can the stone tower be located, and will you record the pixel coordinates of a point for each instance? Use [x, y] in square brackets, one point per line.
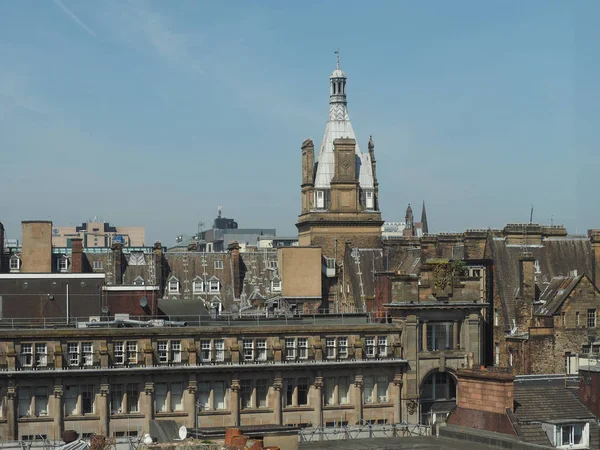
[340, 205]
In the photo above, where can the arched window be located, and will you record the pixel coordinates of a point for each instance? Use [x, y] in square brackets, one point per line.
[438, 396]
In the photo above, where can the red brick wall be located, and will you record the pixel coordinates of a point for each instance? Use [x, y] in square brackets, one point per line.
[77, 255]
[485, 390]
[589, 390]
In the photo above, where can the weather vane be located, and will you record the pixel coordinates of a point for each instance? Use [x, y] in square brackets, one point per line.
[337, 55]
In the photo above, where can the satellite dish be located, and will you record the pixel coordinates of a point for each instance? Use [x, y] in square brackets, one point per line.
[105, 309]
[143, 302]
[182, 432]
[147, 439]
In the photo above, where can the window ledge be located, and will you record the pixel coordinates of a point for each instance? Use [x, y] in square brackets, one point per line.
[36, 419]
[256, 410]
[378, 405]
[135, 415]
[298, 408]
[171, 414]
[214, 412]
[77, 417]
[333, 407]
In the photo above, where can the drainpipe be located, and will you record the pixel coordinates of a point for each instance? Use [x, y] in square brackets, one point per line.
[68, 304]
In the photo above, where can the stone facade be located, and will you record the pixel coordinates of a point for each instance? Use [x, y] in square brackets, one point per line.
[114, 381]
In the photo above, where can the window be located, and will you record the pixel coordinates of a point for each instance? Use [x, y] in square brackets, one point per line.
[246, 393]
[495, 317]
[497, 352]
[169, 352]
[382, 346]
[276, 285]
[261, 349]
[41, 401]
[213, 286]
[563, 317]
[205, 350]
[218, 264]
[248, 347]
[79, 400]
[71, 397]
[302, 348]
[15, 263]
[80, 353]
[439, 336]
[41, 355]
[370, 346]
[26, 355]
[87, 399]
[571, 434]
[342, 347]
[368, 386]
[31, 358]
[116, 399]
[272, 264]
[25, 400]
[577, 318]
[320, 199]
[97, 265]
[217, 388]
[262, 391]
[121, 357]
[160, 397]
[591, 318]
[343, 385]
[438, 386]
[382, 389]
[219, 349]
[139, 281]
[302, 391]
[198, 286]
[288, 386]
[369, 198]
[133, 397]
[330, 346]
[173, 286]
[510, 358]
[290, 348]
[329, 391]
[62, 264]
[176, 397]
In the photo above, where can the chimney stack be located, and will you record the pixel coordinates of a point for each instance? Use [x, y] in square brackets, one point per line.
[234, 250]
[157, 254]
[524, 303]
[594, 236]
[485, 390]
[76, 255]
[37, 246]
[117, 249]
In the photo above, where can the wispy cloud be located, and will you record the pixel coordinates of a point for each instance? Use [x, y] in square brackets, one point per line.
[76, 19]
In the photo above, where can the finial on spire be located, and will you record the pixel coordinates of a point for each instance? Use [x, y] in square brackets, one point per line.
[337, 56]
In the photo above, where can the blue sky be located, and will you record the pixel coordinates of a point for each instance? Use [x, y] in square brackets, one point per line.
[154, 113]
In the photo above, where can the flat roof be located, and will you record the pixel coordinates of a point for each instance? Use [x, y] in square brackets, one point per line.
[395, 443]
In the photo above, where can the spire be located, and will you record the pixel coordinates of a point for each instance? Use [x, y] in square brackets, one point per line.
[337, 92]
[424, 227]
[371, 144]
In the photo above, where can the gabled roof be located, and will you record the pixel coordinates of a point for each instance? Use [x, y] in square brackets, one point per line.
[557, 256]
[555, 294]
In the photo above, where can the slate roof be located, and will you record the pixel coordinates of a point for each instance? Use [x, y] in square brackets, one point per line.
[362, 265]
[555, 294]
[556, 256]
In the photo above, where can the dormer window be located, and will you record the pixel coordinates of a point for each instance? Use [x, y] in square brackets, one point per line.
[15, 263]
[62, 264]
[320, 199]
[369, 200]
[198, 286]
[275, 285]
[173, 286]
[139, 281]
[213, 286]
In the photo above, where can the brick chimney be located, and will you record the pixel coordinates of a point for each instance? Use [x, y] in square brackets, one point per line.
[486, 390]
[76, 255]
[117, 249]
[428, 247]
[234, 250]
[475, 244]
[594, 236]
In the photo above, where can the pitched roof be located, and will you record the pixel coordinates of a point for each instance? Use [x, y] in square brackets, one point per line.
[556, 256]
[555, 294]
[547, 403]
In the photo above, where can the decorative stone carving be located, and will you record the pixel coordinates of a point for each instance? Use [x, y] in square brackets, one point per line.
[149, 388]
[358, 381]
[318, 384]
[411, 406]
[104, 389]
[11, 392]
[397, 380]
[277, 383]
[58, 391]
[192, 386]
[235, 385]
